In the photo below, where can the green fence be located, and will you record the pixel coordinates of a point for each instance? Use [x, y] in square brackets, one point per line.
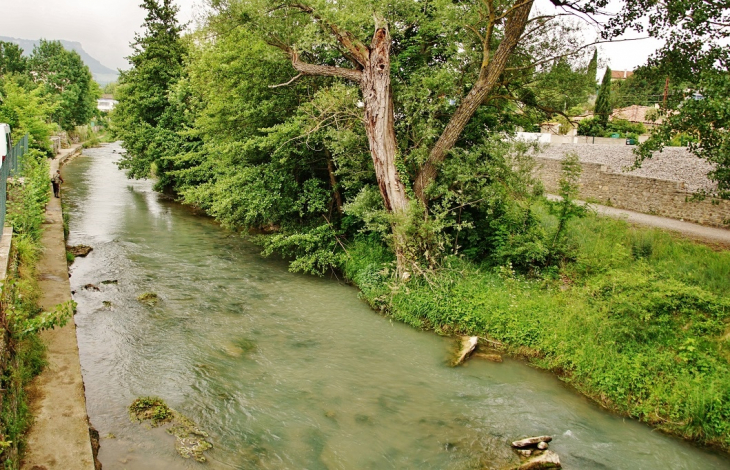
[10, 167]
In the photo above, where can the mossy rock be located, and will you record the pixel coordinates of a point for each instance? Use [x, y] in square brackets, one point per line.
[79, 250]
[190, 441]
[110, 281]
[148, 298]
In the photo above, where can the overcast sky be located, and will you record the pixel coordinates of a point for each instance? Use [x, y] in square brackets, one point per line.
[106, 27]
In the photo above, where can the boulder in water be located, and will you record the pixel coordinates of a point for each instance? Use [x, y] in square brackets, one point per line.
[531, 441]
[190, 441]
[542, 460]
[468, 345]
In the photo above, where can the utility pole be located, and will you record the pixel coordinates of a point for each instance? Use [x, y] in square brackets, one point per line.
[666, 91]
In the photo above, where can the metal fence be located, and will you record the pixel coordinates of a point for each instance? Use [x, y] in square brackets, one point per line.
[10, 167]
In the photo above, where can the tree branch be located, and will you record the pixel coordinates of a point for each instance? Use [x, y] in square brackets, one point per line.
[287, 83]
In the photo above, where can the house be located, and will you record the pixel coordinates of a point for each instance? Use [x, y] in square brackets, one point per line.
[106, 103]
[620, 74]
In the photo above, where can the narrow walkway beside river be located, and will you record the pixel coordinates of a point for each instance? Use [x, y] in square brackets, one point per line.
[59, 437]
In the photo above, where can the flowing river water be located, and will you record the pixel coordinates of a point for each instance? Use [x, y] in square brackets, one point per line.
[289, 371]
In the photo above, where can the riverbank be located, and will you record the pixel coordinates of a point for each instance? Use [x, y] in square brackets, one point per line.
[638, 322]
[284, 367]
[59, 437]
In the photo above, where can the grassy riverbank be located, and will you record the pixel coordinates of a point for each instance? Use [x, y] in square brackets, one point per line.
[640, 321]
[24, 350]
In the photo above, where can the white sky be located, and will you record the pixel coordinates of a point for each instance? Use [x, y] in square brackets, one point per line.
[106, 27]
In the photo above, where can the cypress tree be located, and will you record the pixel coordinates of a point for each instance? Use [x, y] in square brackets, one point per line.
[603, 107]
[592, 71]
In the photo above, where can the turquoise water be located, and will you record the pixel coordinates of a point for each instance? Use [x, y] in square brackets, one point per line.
[288, 371]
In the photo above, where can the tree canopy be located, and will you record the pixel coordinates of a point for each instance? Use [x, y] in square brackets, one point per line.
[64, 75]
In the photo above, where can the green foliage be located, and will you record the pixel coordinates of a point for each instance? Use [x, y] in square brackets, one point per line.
[566, 209]
[594, 127]
[28, 110]
[26, 201]
[604, 107]
[11, 59]
[145, 119]
[64, 76]
[592, 70]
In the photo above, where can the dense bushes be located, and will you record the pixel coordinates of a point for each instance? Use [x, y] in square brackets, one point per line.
[594, 127]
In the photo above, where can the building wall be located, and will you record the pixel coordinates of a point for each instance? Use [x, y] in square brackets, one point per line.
[637, 193]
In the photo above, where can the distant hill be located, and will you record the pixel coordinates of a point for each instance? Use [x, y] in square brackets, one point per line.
[102, 74]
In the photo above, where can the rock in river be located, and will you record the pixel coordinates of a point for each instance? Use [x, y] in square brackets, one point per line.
[531, 441]
[542, 460]
[79, 250]
[190, 441]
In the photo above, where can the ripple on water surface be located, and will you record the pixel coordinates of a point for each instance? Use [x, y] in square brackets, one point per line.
[288, 371]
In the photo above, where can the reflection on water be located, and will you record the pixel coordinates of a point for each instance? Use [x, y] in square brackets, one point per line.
[289, 371]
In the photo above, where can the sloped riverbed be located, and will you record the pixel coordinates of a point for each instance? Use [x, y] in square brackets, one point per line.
[288, 371]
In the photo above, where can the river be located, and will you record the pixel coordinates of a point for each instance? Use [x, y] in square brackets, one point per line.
[289, 371]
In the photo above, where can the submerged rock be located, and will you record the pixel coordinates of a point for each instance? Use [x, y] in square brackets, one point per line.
[148, 298]
[489, 357]
[92, 287]
[190, 441]
[110, 281]
[79, 250]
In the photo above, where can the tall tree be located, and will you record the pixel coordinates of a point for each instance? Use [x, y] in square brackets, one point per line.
[142, 119]
[592, 71]
[11, 59]
[603, 107]
[63, 74]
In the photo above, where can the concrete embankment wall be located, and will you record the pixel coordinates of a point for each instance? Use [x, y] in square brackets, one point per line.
[637, 193]
[60, 436]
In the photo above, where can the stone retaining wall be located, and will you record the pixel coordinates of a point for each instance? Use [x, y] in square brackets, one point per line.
[641, 194]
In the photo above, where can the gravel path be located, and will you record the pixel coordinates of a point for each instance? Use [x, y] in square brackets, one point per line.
[715, 236]
[674, 163]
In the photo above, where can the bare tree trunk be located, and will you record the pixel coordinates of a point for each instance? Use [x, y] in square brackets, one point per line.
[333, 182]
[491, 69]
[379, 121]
